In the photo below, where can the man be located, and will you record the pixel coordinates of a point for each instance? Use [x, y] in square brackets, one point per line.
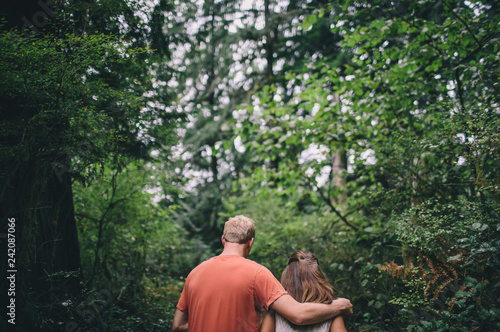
[227, 292]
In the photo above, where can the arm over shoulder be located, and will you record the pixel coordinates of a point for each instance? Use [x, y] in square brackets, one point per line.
[309, 313]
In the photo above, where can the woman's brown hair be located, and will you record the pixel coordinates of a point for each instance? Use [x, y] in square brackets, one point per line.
[304, 280]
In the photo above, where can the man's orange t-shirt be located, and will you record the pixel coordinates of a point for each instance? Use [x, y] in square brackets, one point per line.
[225, 294]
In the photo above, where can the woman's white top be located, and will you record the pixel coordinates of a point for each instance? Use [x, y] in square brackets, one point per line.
[283, 325]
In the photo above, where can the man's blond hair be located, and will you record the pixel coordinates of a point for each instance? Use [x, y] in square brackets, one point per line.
[239, 229]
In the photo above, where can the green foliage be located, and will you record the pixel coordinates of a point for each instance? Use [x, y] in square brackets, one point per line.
[52, 128]
[414, 111]
[435, 227]
[456, 246]
[131, 242]
[370, 138]
[276, 225]
[45, 105]
[76, 99]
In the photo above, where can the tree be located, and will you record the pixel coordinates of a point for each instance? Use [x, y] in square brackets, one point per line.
[213, 60]
[73, 99]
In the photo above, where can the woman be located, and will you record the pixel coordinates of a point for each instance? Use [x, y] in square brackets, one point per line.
[305, 282]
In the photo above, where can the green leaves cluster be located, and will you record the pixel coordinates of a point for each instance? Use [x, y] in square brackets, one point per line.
[129, 241]
[53, 98]
[434, 226]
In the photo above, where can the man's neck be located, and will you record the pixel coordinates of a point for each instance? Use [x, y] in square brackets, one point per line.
[235, 249]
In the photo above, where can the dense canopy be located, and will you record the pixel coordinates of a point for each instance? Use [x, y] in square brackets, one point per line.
[366, 132]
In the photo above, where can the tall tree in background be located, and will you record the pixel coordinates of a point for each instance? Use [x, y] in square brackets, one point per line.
[217, 57]
[74, 98]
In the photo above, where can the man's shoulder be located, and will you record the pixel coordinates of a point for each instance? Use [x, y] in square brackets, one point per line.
[260, 271]
[252, 264]
[257, 266]
[218, 262]
[203, 264]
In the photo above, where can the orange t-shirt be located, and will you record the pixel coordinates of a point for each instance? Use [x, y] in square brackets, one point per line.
[225, 294]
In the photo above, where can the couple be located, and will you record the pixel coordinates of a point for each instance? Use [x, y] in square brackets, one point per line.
[226, 292]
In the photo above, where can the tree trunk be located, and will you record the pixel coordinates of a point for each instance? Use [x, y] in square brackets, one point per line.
[47, 252]
[269, 41]
[339, 168]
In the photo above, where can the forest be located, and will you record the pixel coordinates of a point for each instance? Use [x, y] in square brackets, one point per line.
[364, 131]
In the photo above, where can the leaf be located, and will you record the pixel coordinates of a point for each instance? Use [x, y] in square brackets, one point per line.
[470, 282]
[308, 22]
[454, 258]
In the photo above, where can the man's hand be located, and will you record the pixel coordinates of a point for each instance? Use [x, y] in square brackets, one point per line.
[343, 305]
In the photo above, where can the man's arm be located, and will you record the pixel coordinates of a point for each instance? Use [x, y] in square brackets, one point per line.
[310, 313]
[180, 322]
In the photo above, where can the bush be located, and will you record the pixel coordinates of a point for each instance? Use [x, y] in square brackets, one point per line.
[451, 266]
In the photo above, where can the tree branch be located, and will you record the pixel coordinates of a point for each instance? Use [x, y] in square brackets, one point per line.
[464, 23]
[332, 207]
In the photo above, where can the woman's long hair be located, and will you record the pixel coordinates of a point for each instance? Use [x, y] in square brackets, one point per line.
[304, 280]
